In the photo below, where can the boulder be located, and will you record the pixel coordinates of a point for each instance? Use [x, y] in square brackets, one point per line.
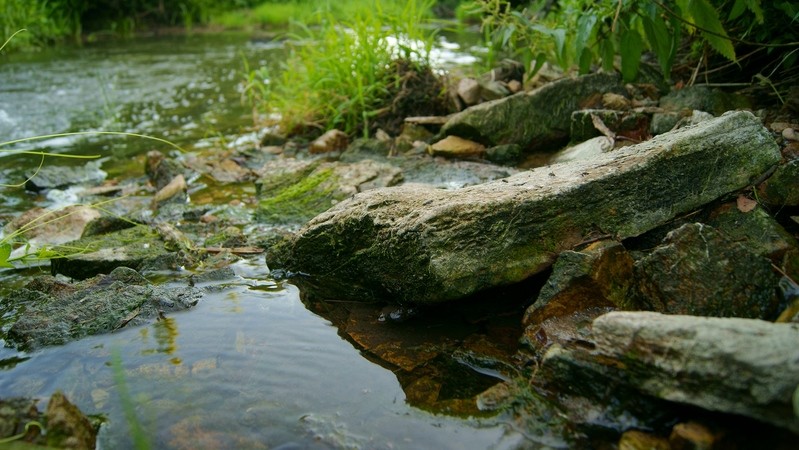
[698, 271]
[535, 120]
[415, 244]
[739, 366]
[55, 312]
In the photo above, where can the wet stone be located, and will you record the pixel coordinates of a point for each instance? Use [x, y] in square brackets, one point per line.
[737, 366]
[141, 248]
[598, 276]
[454, 243]
[59, 177]
[56, 312]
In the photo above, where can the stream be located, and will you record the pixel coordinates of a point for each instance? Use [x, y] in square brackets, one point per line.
[250, 366]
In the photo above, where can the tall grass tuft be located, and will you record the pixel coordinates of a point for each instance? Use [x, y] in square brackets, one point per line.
[339, 74]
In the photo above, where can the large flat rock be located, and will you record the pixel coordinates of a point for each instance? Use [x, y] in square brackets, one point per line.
[740, 366]
[416, 244]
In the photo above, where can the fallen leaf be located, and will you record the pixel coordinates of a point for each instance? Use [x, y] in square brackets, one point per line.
[745, 204]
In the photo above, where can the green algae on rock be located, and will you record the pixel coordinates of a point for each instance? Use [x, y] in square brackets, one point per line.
[415, 244]
[140, 248]
[294, 192]
[54, 312]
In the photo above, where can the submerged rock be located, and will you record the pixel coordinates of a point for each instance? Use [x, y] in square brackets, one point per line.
[66, 425]
[141, 248]
[698, 271]
[55, 312]
[414, 244]
[535, 120]
[739, 366]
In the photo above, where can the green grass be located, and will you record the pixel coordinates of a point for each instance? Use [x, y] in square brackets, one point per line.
[339, 73]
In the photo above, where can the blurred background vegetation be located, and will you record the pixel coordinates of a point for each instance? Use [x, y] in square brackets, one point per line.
[349, 75]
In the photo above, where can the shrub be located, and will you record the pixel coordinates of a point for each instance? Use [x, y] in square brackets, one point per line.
[582, 33]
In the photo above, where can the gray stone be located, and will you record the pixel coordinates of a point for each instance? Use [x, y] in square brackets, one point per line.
[535, 120]
[56, 312]
[58, 177]
[702, 98]
[698, 271]
[414, 244]
[740, 366]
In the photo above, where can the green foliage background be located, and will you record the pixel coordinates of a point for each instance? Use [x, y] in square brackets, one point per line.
[52, 20]
[585, 34]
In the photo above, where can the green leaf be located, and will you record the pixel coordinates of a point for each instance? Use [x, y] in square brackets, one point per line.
[5, 253]
[738, 8]
[608, 54]
[631, 47]
[707, 18]
[585, 60]
[754, 6]
[660, 40]
[585, 27]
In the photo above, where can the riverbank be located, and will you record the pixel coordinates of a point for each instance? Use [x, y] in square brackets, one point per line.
[703, 228]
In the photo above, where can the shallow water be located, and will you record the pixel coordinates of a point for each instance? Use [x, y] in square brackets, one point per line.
[250, 366]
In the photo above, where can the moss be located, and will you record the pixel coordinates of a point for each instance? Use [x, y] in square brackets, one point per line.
[135, 247]
[299, 201]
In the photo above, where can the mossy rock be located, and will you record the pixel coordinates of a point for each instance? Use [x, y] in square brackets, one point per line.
[55, 312]
[296, 192]
[140, 247]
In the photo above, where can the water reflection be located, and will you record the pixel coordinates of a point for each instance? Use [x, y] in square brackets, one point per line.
[165, 332]
[266, 373]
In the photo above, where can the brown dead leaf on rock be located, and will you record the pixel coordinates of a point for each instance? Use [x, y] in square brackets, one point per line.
[746, 204]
